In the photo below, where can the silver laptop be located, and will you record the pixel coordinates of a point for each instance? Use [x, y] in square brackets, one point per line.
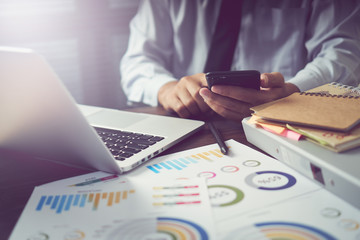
[40, 117]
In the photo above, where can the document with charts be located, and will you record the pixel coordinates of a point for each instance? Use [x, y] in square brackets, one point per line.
[196, 194]
[239, 182]
[250, 190]
[104, 206]
[315, 215]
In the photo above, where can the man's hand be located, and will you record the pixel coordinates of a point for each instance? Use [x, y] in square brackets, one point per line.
[234, 102]
[182, 97]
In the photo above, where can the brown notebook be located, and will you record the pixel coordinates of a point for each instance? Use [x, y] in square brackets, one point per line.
[316, 108]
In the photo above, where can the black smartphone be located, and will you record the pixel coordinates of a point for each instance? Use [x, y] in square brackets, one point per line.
[246, 78]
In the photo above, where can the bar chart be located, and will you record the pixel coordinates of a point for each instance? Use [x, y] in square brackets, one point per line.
[184, 162]
[64, 203]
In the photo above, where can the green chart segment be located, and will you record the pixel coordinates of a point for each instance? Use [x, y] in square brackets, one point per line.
[224, 195]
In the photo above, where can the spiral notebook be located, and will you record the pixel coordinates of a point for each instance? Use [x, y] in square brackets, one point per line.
[333, 107]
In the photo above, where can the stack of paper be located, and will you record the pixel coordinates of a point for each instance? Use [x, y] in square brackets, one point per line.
[198, 194]
[328, 115]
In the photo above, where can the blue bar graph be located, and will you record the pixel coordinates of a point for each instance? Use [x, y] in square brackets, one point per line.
[184, 160]
[68, 203]
[153, 169]
[77, 199]
[49, 200]
[83, 200]
[157, 166]
[54, 203]
[165, 165]
[174, 165]
[41, 203]
[180, 163]
[61, 205]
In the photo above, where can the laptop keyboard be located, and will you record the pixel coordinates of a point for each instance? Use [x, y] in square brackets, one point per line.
[123, 144]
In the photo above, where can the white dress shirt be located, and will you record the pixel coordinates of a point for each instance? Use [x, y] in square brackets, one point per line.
[311, 42]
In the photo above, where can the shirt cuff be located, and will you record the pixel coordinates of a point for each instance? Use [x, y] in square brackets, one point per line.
[152, 88]
[305, 80]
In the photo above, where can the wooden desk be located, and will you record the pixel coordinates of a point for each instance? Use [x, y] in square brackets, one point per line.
[228, 129]
[19, 174]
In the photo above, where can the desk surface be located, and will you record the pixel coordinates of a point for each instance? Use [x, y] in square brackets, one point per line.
[19, 174]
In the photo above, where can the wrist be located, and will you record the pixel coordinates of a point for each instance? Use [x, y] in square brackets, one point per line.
[164, 90]
[290, 88]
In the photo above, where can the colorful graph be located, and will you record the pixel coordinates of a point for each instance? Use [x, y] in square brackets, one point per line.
[280, 230]
[75, 235]
[175, 187]
[60, 203]
[207, 174]
[270, 180]
[39, 235]
[159, 228]
[230, 169]
[181, 163]
[180, 229]
[224, 195]
[176, 195]
[251, 163]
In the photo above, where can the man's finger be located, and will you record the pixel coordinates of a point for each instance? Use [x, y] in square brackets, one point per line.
[271, 80]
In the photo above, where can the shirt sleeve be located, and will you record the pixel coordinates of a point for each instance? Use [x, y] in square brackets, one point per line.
[333, 45]
[145, 67]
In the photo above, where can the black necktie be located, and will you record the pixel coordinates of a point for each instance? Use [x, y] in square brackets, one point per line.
[225, 37]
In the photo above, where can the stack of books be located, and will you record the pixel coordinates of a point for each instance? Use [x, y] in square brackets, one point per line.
[328, 115]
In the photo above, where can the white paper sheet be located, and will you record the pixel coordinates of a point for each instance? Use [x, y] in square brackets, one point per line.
[104, 206]
[242, 181]
[315, 215]
[243, 195]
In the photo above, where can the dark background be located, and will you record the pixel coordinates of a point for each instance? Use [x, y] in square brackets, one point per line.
[83, 40]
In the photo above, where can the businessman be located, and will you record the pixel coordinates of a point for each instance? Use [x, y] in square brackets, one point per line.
[297, 45]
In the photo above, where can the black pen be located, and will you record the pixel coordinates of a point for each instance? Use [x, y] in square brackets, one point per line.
[218, 137]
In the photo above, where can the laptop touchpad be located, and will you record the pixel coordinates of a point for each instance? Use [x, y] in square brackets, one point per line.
[114, 118]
